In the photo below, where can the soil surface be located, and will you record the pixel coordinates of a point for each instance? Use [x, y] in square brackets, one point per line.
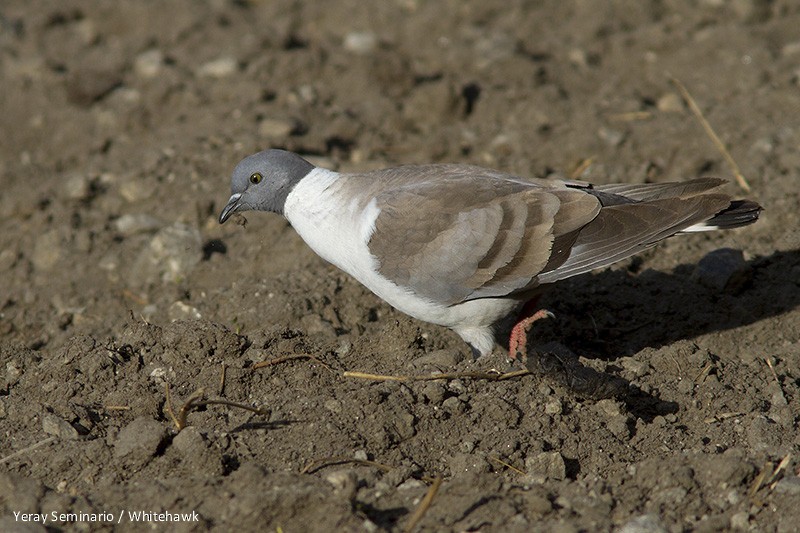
[121, 123]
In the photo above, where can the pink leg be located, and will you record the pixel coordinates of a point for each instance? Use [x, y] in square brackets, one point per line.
[517, 344]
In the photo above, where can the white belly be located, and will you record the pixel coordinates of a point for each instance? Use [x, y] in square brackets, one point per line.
[339, 231]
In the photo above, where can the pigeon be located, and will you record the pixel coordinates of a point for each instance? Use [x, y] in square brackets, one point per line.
[467, 247]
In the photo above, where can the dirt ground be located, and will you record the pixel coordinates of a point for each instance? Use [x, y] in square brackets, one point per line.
[121, 123]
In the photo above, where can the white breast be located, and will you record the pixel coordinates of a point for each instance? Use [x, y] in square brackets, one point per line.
[338, 228]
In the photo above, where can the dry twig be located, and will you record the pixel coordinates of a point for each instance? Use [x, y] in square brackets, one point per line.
[291, 357]
[319, 464]
[194, 402]
[711, 133]
[773, 479]
[581, 168]
[758, 482]
[27, 449]
[507, 465]
[631, 116]
[423, 506]
[701, 376]
[117, 407]
[491, 376]
[722, 416]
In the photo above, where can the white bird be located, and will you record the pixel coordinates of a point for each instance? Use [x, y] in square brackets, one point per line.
[463, 246]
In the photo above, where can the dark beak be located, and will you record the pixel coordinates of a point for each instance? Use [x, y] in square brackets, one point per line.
[230, 208]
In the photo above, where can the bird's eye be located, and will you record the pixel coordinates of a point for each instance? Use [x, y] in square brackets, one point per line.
[256, 178]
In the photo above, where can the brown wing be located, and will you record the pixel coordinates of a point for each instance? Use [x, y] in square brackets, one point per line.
[452, 233]
[649, 215]
[469, 236]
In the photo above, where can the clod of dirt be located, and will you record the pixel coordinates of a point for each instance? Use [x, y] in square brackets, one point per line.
[139, 441]
[195, 453]
[53, 425]
[544, 466]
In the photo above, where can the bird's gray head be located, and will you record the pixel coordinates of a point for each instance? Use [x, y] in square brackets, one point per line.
[262, 181]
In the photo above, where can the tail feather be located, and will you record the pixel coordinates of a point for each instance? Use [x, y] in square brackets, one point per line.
[643, 192]
[739, 213]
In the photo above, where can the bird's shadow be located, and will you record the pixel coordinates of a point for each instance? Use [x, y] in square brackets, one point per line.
[618, 313]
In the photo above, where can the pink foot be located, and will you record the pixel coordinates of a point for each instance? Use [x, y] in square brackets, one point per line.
[517, 344]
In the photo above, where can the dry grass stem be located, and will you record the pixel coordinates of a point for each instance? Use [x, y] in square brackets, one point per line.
[27, 449]
[256, 410]
[507, 465]
[491, 376]
[134, 297]
[711, 133]
[722, 416]
[701, 376]
[117, 407]
[168, 407]
[581, 168]
[180, 419]
[677, 364]
[758, 482]
[631, 116]
[195, 402]
[772, 369]
[773, 479]
[319, 464]
[775, 376]
[423, 506]
[292, 357]
[222, 380]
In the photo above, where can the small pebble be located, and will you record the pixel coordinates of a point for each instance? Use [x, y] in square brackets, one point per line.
[53, 425]
[648, 523]
[344, 482]
[454, 405]
[219, 68]
[275, 128]
[433, 392]
[635, 367]
[8, 258]
[131, 224]
[189, 441]
[411, 484]
[539, 505]
[89, 83]
[723, 269]
[133, 190]
[578, 57]
[741, 521]
[553, 407]
[182, 311]
[456, 386]
[77, 187]
[544, 466]
[148, 64]
[360, 42]
[670, 103]
[611, 136]
[360, 455]
[444, 359]
[47, 251]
